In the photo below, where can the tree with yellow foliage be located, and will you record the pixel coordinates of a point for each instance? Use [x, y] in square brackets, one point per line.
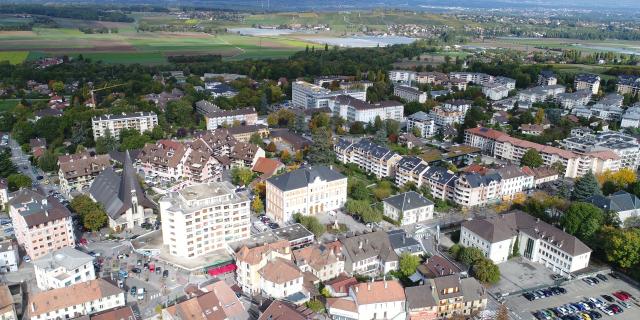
[620, 178]
[539, 116]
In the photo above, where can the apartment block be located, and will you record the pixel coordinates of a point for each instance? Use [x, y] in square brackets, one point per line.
[402, 76]
[541, 93]
[495, 91]
[310, 96]
[203, 218]
[628, 85]
[547, 78]
[444, 297]
[410, 94]
[410, 170]
[308, 190]
[575, 99]
[538, 241]
[587, 81]
[242, 116]
[624, 146]
[251, 260]
[63, 268]
[77, 171]
[423, 123]
[324, 261]
[77, 300]
[114, 123]
[631, 117]
[368, 156]
[353, 110]
[436, 78]
[408, 208]
[41, 224]
[450, 113]
[369, 254]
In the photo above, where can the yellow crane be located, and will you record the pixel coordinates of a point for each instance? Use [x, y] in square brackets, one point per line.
[92, 103]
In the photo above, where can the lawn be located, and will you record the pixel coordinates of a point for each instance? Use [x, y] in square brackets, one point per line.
[8, 105]
[127, 57]
[14, 57]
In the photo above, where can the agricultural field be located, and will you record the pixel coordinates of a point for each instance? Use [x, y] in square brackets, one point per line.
[14, 57]
[587, 46]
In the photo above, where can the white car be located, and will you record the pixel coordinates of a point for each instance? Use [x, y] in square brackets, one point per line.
[26, 259]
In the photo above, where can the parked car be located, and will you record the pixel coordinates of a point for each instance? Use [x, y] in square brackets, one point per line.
[133, 290]
[120, 283]
[622, 296]
[608, 298]
[165, 273]
[146, 225]
[595, 314]
[588, 281]
[158, 270]
[26, 258]
[136, 270]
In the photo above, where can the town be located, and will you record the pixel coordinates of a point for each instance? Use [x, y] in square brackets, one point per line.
[338, 183]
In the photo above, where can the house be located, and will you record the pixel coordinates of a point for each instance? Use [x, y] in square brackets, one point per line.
[308, 190]
[281, 310]
[622, 203]
[367, 155]
[7, 304]
[369, 254]
[410, 141]
[219, 118]
[537, 241]
[267, 167]
[76, 172]
[46, 112]
[4, 193]
[587, 81]
[409, 93]
[339, 286]
[281, 279]
[547, 78]
[77, 300]
[437, 266]
[62, 268]
[9, 257]
[444, 297]
[41, 224]
[541, 175]
[251, 260]
[408, 208]
[121, 313]
[324, 262]
[531, 129]
[161, 100]
[422, 123]
[122, 197]
[370, 300]
[289, 141]
[225, 149]
[403, 243]
[214, 301]
[38, 146]
[436, 78]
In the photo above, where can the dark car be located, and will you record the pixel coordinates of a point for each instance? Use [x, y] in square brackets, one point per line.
[608, 298]
[613, 275]
[595, 314]
[133, 290]
[274, 225]
[39, 177]
[136, 270]
[529, 296]
[165, 273]
[158, 270]
[146, 225]
[601, 277]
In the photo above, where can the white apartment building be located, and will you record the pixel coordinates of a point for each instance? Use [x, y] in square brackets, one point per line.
[574, 99]
[541, 93]
[408, 208]
[624, 146]
[243, 116]
[631, 117]
[537, 241]
[628, 85]
[410, 169]
[547, 78]
[423, 123]
[450, 112]
[114, 123]
[370, 300]
[402, 76]
[410, 94]
[308, 190]
[9, 257]
[77, 300]
[251, 261]
[280, 278]
[495, 91]
[63, 268]
[310, 96]
[202, 218]
[586, 81]
[354, 110]
[368, 156]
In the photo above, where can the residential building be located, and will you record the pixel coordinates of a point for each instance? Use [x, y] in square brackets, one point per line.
[531, 129]
[251, 261]
[38, 146]
[287, 140]
[77, 300]
[76, 172]
[423, 123]
[267, 167]
[202, 218]
[214, 301]
[631, 117]
[122, 197]
[626, 147]
[7, 304]
[513, 181]
[121, 313]
[226, 150]
[435, 78]
[369, 254]
[281, 278]
[220, 89]
[495, 91]
[4, 193]
[352, 109]
[410, 169]
[162, 99]
[541, 174]
[410, 94]
[63, 268]
[205, 107]
[308, 190]
[574, 99]
[370, 300]
[323, 261]
[440, 181]
[9, 257]
[114, 123]
[586, 81]
[279, 309]
[538, 241]
[472, 189]
[625, 205]
[547, 78]
[445, 297]
[410, 141]
[437, 266]
[408, 208]
[628, 85]
[310, 96]
[242, 116]
[450, 113]
[339, 286]
[164, 160]
[401, 243]
[41, 224]
[243, 133]
[367, 155]
[541, 93]
[402, 76]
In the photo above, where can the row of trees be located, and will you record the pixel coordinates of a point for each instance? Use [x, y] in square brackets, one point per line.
[91, 214]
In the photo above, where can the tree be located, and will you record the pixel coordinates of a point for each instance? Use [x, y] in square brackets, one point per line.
[515, 252]
[48, 162]
[315, 305]
[582, 220]
[7, 167]
[18, 181]
[408, 263]
[621, 178]
[585, 187]
[91, 214]
[539, 116]
[180, 113]
[271, 147]
[285, 156]
[358, 190]
[455, 250]
[311, 223]
[486, 271]
[256, 205]
[106, 143]
[356, 128]
[621, 247]
[469, 255]
[241, 176]
[381, 136]
[256, 139]
[321, 150]
[532, 159]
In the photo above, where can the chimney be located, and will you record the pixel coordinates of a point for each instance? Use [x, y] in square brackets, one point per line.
[356, 289]
[360, 244]
[33, 307]
[369, 286]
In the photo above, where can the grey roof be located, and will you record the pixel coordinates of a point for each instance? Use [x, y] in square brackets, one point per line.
[440, 175]
[472, 289]
[67, 257]
[401, 241]
[115, 192]
[373, 149]
[506, 226]
[616, 202]
[420, 116]
[369, 245]
[447, 282]
[476, 180]
[587, 77]
[355, 103]
[419, 297]
[408, 201]
[124, 116]
[302, 177]
[37, 209]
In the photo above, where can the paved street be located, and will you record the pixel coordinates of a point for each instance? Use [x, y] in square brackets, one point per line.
[21, 160]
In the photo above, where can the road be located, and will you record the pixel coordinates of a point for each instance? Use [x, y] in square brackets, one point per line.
[21, 160]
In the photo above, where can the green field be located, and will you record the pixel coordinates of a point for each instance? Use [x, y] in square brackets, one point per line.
[8, 105]
[14, 57]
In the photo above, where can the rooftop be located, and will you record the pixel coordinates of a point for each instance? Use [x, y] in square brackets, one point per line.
[67, 258]
[57, 299]
[303, 177]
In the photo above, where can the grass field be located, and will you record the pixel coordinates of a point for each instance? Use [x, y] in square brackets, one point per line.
[14, 57]
[8, 105]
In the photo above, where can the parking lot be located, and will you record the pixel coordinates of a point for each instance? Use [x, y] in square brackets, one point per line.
[577, 290]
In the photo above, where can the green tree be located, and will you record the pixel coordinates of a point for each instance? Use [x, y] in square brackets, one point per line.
[48, 162]
[106, 143]
[256, 205]
[95, 219]
[241, 176]
[180, 113]
[582, 220]
[532, 158]
[585, 187]
[7, 167]
[408, 263]
[455, 250]
[486, 271]
[285, 156]
[256, 139]
[622, 247]
[515, 252]
[311, 223]
[469, 255]
[358, 190]
[17, 181]
[381, 137]
[321, 150]
[315, 305]
[271, 147]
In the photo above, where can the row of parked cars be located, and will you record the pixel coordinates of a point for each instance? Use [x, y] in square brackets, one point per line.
[544, 293]
[587, 309]
[592, 281]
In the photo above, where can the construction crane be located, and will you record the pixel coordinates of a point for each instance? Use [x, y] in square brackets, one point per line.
[92, 103]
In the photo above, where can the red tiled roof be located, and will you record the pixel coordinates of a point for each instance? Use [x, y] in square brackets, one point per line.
[486, 132]
[266, 165]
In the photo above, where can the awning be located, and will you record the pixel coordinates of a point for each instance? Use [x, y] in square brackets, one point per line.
[222, 270]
